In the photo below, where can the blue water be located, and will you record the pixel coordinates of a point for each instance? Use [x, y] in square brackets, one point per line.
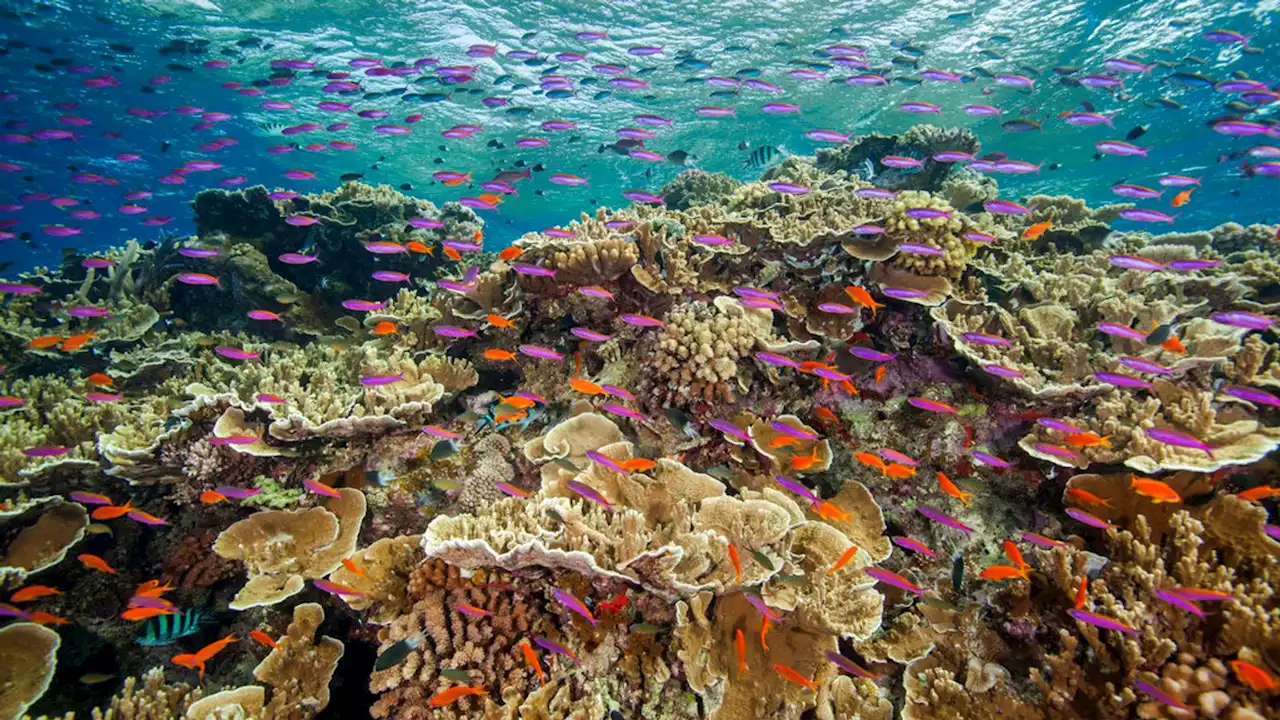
[45, 41]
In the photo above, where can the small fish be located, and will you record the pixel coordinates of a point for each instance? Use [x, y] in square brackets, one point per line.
[737, 563]
[894, 579]
[456, 675]
[1102, 621]
[1000, 573]
[574, 604]
[95, 678]
[951, 489]
[791, 675]
[1158, 491]
[740, 645]
[33, 592]
[397, 653]
[334, 588]
[1258, 679]
[531, 657]
[454, 694]
[320, 488]
[555, 648]
[471, 610]
[264, 639]
[93, 562]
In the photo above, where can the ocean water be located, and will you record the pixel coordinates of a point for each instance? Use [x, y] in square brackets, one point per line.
[52, 48]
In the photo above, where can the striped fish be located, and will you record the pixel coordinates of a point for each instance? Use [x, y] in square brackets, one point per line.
[762, 157]
[163, 630]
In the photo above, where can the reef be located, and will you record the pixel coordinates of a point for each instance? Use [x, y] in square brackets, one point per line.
[749, 452]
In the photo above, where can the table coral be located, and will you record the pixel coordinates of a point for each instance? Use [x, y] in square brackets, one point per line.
[299, 668]
[28, 658]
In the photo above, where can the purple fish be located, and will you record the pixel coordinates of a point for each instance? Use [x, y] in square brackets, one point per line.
[1191, 264]
[1089, 519]
[943, 519]
[297, 259]
[729, 428]
[1177, 439]
[1201, 595]
[533, 270]
[1057, 451]
[1102, 621]
[88, 311]
[787, 188]
[1004, 207]
[830, 136]
[712, 240]
[645, 197]
[866, 353]
[453, 331]
[750, 292]
[1252, 395]
[46, 451]
[1116, 147]
[574, 604]
[776, 359]
[1039, 540]
[988, 459]
[867, 229]
[88, 498]
[615, 391]
[588, 493]
[850, 667]
[914, 545]
[539, 352]
[837, 309]
[920, 108]
[1143, 365]
[1241, 319]
[1001, 371]
[1180, 602]
[590, 335]
[1121, 380]
[1162, 696]
[375, 380]
[931, 405]
[626, 412]
[952, 156]
[892, 578]
[1118, 330]
[1149, 216]
[759, 604]
[233, 353]
[549, 646]
[1135, 191]
[640, 320]
[1134, 262]
[984, 339]
[872, 193]
[238, 493]
[797, 433]
[898, 293]
[923, 213]
[894, 456]
[915, 248]
[363, 305]
[797, 488]
[602, 459]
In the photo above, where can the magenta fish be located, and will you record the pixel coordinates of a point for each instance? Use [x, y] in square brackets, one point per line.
[615, 409]
[776, 359]
[1178, 439]
[798, 433]
[539, 352]
[602, 459]
[238, 493]
[375, 380]
[1002, 371]
[1133, 262]
[797, 488]
[588, 492]
[334, 588]
[729, 428]
[233, 353]
[988, 459]
[589, 335]
[1180, 602]
[1121, 380]
[1162, 696]
[871, 354]
[943, 519]
[1253, 395]
[931, 405]
[1102, 621]
[574, 604]
[549, 646]
[759, 604]
[1242, 319]
[984, 339]
[892, 578]
[1089, 519]
[46, 451]
[453, 331]
[640, 320]
[1143, 365]
[914, 545]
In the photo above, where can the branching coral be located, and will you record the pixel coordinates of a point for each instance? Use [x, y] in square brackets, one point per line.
[702, 345]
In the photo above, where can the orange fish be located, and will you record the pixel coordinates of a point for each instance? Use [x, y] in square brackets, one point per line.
[583, 385]
[1261, 492]
[111, 512]
[351, 565]
[826, 415]
[764, 633]
[1174, 345]
[44, 342]
[1088, 440]
[510, 253]
[454, 181]
[477, 235]
[804, 462]
[844, 559]
[519, 402]
[210, 497]
[93, 562]
[1012, 552]
[386, 327]
[638, 465]
[40, 617]
[34, 592]
[1181, 198]
[783, 441]
[420, 247]
[880, 371]
[1000, 573]
[1158, 491]
[863, 298]
[870, 460]
[737, 562]
[1035, 231]
[491, 198]
[848, 388]
[452, 254]
[531, 657]
[1255, 677]
[499, 322]
[146, 518]
[1082, 592]
[899, 472]
[1086, 497]
[829, 511]
[152, 589]
[263, 639]
[208, 651]
[499, 355]
[454, 694]
[511, 416]
[740, 643]
[100, 379]
[791, 675]
[951, 489]
[139, 614]
[75, 342]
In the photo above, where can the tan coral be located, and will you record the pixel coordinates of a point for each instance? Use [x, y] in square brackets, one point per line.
[282, 549]
[45, 543]
[242, 703]
[300, 667]
[383, 588]
[28, 658]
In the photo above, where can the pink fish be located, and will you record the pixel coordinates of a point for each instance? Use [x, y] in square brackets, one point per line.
[931, 405]
[320, 488]
[232, 353]
[375, 380]
[574, 604]
[615, 409]
[439, 432]
[297, 259]
[729, 428]
[471, 610]
[759, 604]
[1089, 519]
[539, 352]
[546, 644]
[334, 588]
[102, 397]
[943, 519]
[146, 518]
[238, 493]
[1102, 621]
[914, 545]
[892, 578]
[262, 315]
[88, 498]
[588, 493]
[46, 451]
[363, 305]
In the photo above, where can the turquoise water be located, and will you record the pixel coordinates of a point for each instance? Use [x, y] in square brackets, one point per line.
[44, 42]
